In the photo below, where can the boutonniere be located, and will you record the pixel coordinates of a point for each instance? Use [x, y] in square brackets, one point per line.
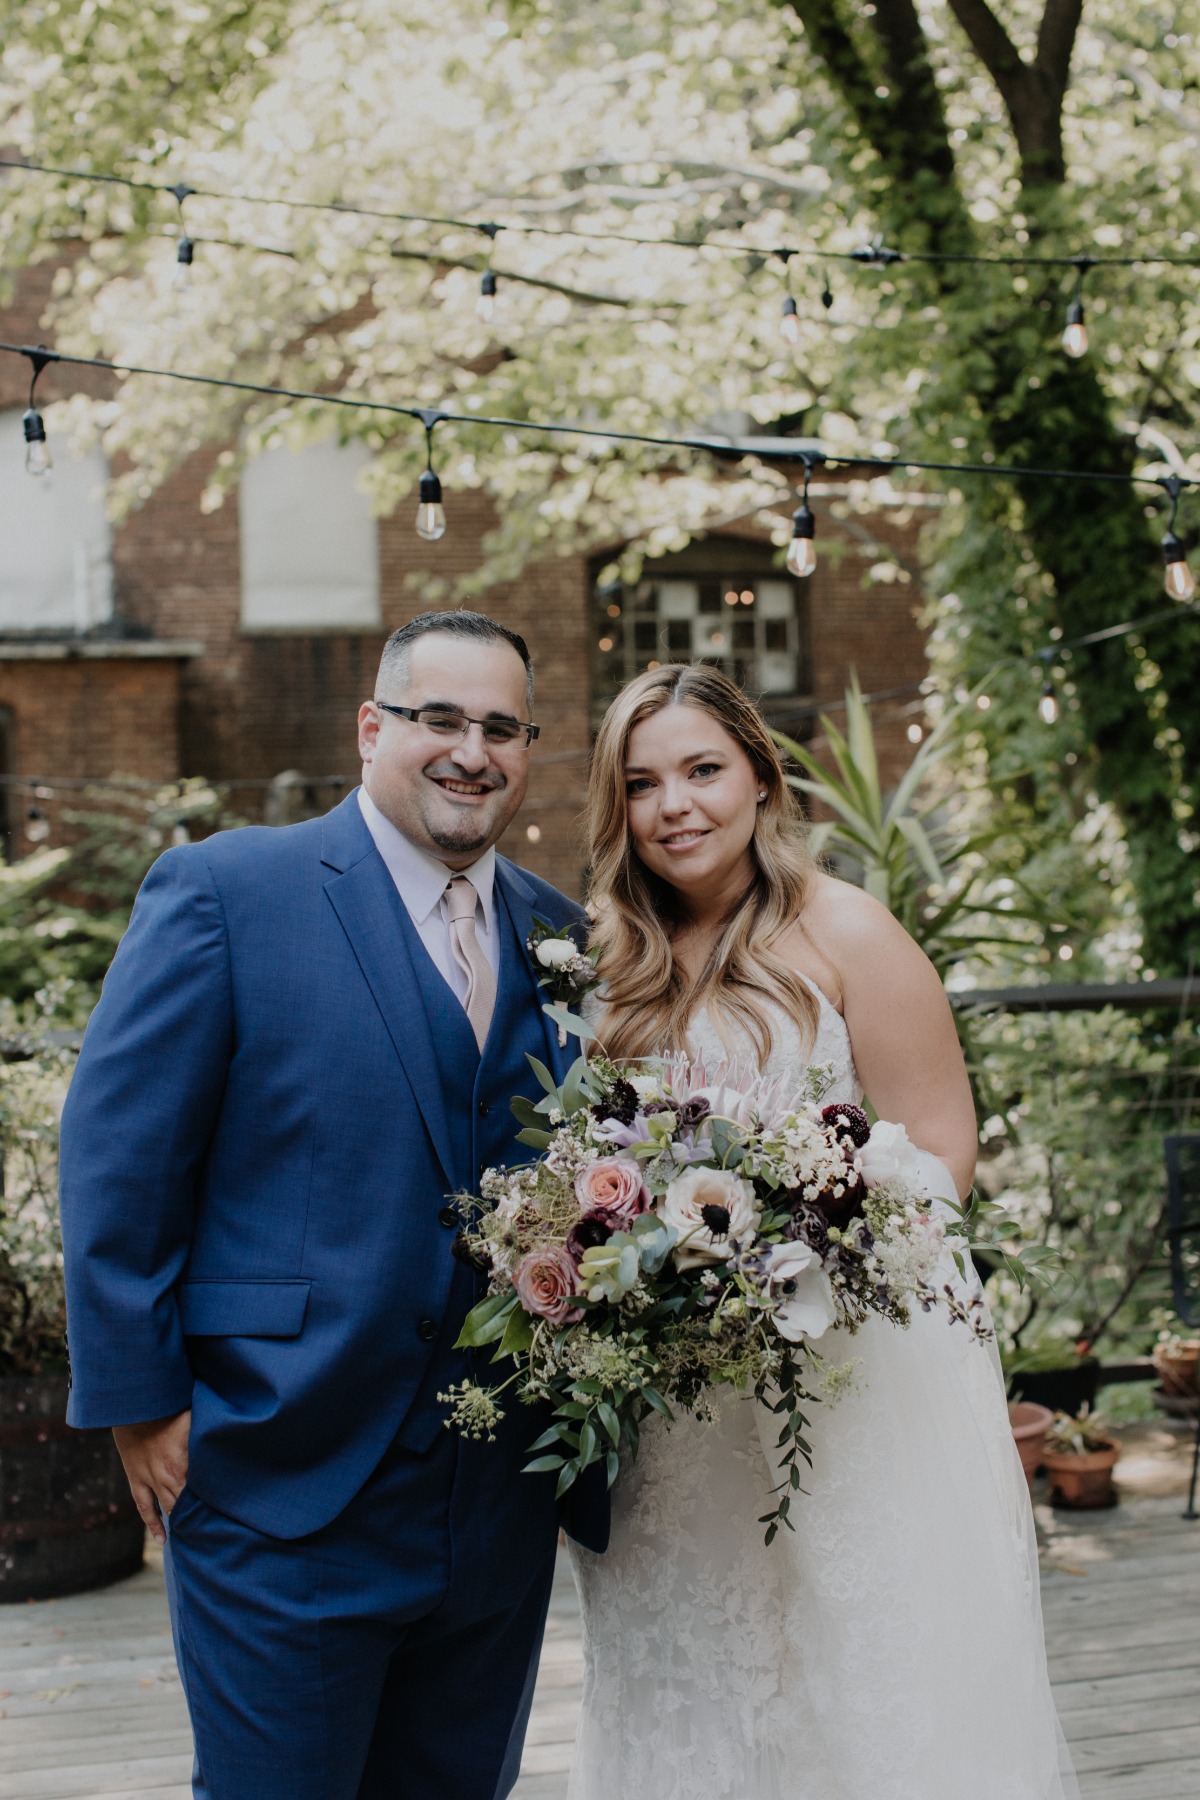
[566, 970]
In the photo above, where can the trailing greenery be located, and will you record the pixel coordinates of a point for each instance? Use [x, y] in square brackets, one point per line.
[1073, 1110]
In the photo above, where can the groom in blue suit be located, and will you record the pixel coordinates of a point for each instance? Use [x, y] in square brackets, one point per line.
[307, 1041]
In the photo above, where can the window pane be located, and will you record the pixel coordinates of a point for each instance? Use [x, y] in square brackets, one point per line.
[56, 565]
[677, 599]
[776, 600]
[309, 546]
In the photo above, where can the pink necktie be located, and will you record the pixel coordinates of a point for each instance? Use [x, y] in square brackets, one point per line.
[461, 900]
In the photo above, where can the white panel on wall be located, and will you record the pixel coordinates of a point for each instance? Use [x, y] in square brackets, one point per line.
[55, 541]
[309, 545]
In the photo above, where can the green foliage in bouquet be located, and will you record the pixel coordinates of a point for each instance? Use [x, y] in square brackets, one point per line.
[682, 1230]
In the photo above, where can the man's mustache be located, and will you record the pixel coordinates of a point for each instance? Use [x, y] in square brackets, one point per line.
[492, 779]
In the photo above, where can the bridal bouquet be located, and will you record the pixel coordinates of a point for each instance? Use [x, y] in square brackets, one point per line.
[682, 1228]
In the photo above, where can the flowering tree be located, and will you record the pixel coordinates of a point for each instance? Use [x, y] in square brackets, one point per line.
[813, 123]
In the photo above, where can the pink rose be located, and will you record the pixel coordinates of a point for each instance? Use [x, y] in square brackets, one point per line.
[612, 1190]
[546, 1284]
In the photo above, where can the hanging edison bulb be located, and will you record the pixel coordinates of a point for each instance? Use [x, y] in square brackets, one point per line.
[789, 324]
[1075, 337]
[431, 514]
[38, 460]
[485, 306]
[37, 828]
[1178, 579]
[1048, 704]
[802, 553]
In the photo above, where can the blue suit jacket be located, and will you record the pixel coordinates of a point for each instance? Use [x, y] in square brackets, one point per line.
[256, 1151]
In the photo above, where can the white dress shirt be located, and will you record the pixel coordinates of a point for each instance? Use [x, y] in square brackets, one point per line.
[421, 884]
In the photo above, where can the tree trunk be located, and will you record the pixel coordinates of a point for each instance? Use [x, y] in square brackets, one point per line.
[1093, 541]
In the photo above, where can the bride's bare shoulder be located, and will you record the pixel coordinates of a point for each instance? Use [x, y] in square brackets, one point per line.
[844, 917]
[840, 935]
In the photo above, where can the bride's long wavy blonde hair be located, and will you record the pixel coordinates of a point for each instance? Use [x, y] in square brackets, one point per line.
[648, 1002]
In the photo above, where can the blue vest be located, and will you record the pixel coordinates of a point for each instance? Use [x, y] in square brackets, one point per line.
[476, 1094]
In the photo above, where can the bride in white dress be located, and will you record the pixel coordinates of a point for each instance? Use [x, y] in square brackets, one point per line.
[890, 1648]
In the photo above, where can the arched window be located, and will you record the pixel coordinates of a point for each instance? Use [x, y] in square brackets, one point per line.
[55, 541]
[310, 550]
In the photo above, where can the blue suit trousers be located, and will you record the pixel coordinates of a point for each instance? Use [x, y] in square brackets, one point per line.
[390, 1655]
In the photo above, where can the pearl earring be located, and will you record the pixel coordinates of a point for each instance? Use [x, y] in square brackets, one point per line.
[762, 793]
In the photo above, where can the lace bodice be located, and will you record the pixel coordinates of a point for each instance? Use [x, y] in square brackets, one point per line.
[791, 1054]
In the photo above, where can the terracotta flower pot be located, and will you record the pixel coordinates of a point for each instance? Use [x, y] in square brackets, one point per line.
[1081, 1479]
[1029, 1424]
[1176, 1365]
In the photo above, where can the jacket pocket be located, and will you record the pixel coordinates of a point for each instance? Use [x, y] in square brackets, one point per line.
[243, 1308]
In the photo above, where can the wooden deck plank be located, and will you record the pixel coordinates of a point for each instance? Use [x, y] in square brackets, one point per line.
[91, 1707]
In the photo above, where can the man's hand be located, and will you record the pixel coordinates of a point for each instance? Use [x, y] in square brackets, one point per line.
[155, 1455]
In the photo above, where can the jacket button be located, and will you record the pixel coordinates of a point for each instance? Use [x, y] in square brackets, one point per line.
[427, 1330]
[485, 1107]
[448, 1217]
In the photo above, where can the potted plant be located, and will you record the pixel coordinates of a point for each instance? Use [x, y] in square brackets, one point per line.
[1174, 1358]
[1030, 1424]
[1079, 1456]
[67, 1521]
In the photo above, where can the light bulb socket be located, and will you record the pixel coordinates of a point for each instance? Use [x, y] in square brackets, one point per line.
[487, 285]
[789, 307]
[1172, 546]
[803, 523]
[35, 427]
[429, 491]
[1075, 312]
[185, 252]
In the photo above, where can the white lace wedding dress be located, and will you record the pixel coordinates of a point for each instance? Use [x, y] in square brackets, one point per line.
[890, 1648]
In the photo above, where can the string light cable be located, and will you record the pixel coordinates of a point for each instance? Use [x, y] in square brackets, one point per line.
[802, 553]
[801, 557]
[875, 254]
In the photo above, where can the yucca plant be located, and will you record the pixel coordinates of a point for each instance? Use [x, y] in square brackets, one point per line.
[935, 878]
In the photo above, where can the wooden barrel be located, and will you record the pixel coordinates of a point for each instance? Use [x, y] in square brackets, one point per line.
[67, 1521]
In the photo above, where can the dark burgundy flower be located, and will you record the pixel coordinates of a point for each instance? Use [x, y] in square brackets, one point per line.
[693, 1113]
[472, 1255]
[589, 1234]
[808, 1224]
[620, 1103]
[848, 1122]
[717, 1219]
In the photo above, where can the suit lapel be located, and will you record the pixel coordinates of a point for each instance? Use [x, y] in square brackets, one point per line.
[381, 935]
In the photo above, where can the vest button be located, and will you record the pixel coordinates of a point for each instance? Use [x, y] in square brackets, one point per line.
[448, 1217]
[485, 1107]
[427, 1330]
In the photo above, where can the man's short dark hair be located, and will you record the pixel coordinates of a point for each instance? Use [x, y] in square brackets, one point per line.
[393, 664]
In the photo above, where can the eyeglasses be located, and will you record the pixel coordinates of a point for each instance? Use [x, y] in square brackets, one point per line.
[448, 724]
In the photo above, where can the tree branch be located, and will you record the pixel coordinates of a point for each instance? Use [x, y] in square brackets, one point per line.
[902, 118]
[1056, 41]
[1032, 92]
